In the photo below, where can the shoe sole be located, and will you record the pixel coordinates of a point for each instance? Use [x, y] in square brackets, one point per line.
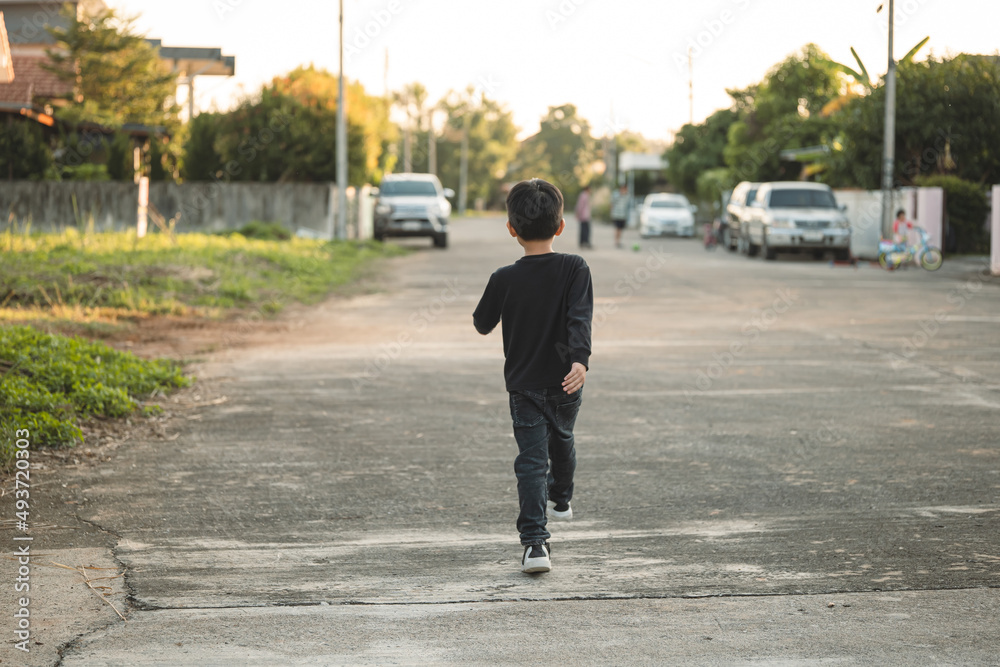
[532, 566]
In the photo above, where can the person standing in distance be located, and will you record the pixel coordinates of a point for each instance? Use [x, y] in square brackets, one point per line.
[619, 212]
[545, 301]
[583, 215]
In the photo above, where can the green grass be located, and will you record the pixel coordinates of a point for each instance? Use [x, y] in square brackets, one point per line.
[49, 382]
[88, 282]
[104, 276]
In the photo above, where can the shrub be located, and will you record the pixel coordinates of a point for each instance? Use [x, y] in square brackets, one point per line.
[265, 231]
[966, 207]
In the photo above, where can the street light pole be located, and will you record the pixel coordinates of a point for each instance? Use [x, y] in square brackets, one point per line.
[889, 147]
[341, 140]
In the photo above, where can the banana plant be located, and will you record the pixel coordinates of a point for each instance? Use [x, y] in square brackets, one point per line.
[861, 74]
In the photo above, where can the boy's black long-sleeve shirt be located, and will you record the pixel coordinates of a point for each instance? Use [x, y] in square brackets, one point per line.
[546, 304]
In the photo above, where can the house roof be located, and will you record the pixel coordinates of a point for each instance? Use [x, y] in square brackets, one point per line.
[6, 66]
[195, 60]
[32, 82]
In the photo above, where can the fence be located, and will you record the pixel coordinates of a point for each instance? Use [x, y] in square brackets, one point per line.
[202, 207]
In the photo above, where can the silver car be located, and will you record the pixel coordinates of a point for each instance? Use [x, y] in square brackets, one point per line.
[795, 216]
[411, 205]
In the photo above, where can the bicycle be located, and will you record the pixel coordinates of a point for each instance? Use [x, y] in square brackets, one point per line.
[891, 255]
[711, 235]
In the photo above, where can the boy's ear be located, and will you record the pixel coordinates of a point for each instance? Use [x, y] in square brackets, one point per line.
[562, 226]
[510, 228]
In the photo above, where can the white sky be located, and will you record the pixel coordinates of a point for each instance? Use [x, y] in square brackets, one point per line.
[625, 55]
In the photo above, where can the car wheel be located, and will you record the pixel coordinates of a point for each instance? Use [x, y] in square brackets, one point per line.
[770, 254]
[752, 248]
[440, 240]
[842, 255]
[818, 254]
[379, 236]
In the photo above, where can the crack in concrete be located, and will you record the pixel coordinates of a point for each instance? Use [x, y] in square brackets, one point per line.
[569, 598]
[131, 604]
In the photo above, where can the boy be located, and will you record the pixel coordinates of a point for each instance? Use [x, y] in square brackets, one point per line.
[546, 302]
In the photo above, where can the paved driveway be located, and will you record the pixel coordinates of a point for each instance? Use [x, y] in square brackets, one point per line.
[779, 462]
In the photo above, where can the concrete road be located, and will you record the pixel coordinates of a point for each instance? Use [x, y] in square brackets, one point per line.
[779, 463]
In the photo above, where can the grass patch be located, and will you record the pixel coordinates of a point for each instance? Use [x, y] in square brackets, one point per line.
[103, 277]
[49, 382]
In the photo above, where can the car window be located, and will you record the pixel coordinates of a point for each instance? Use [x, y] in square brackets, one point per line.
[408, 189]
[802, 199]
[751, 195]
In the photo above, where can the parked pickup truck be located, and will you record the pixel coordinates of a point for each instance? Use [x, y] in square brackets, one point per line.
[794, 216]
[735, 213]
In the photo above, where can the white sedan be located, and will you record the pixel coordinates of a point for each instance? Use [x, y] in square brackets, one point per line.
[666, 214]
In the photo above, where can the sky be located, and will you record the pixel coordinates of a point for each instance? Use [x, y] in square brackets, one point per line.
[623, 63]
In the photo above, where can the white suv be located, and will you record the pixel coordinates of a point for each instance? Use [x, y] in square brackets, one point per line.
[413, 205]
[794, 216]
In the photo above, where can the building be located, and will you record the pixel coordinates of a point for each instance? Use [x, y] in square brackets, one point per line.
[28, 89]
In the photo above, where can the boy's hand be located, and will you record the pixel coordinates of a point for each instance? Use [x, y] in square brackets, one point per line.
[574, 380]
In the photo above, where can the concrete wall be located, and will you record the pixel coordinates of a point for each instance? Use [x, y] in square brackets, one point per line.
[203, 207]
[52, 205]
[924, 206]
[212, 207]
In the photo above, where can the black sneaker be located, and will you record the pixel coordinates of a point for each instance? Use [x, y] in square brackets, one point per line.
[536, 558]
[559, 511]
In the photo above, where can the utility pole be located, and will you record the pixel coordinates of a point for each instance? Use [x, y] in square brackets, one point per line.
[889, 147]
[432, 153]
[690, 87]
[463, 176]
[407, 140]
[341, 140]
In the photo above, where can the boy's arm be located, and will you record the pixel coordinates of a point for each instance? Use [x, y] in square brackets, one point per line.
[579, 315]
[487, 314]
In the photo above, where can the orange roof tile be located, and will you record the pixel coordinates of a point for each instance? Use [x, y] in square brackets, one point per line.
[31, 82]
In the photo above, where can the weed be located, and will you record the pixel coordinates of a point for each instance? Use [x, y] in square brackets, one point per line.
[48, 382]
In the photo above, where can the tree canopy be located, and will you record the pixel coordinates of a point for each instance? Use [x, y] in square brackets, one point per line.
[947, 122]
[287, 132]
[562, 152]
[116, 76]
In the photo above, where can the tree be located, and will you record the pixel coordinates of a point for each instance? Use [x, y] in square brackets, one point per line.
[783, 111]
[115, 74]
[698, 149]
[286, 133]
[563, 152]
[947, 122]
[492, 144]
[201, 161]
[412, 99]
[24, 151]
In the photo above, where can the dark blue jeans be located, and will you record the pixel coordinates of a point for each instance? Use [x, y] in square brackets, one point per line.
[543, 427]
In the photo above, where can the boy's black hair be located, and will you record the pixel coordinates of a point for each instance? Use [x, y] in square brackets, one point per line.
[900, 212]
[535, 209]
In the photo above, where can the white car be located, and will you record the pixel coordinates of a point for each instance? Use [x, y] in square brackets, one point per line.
[666, 214]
